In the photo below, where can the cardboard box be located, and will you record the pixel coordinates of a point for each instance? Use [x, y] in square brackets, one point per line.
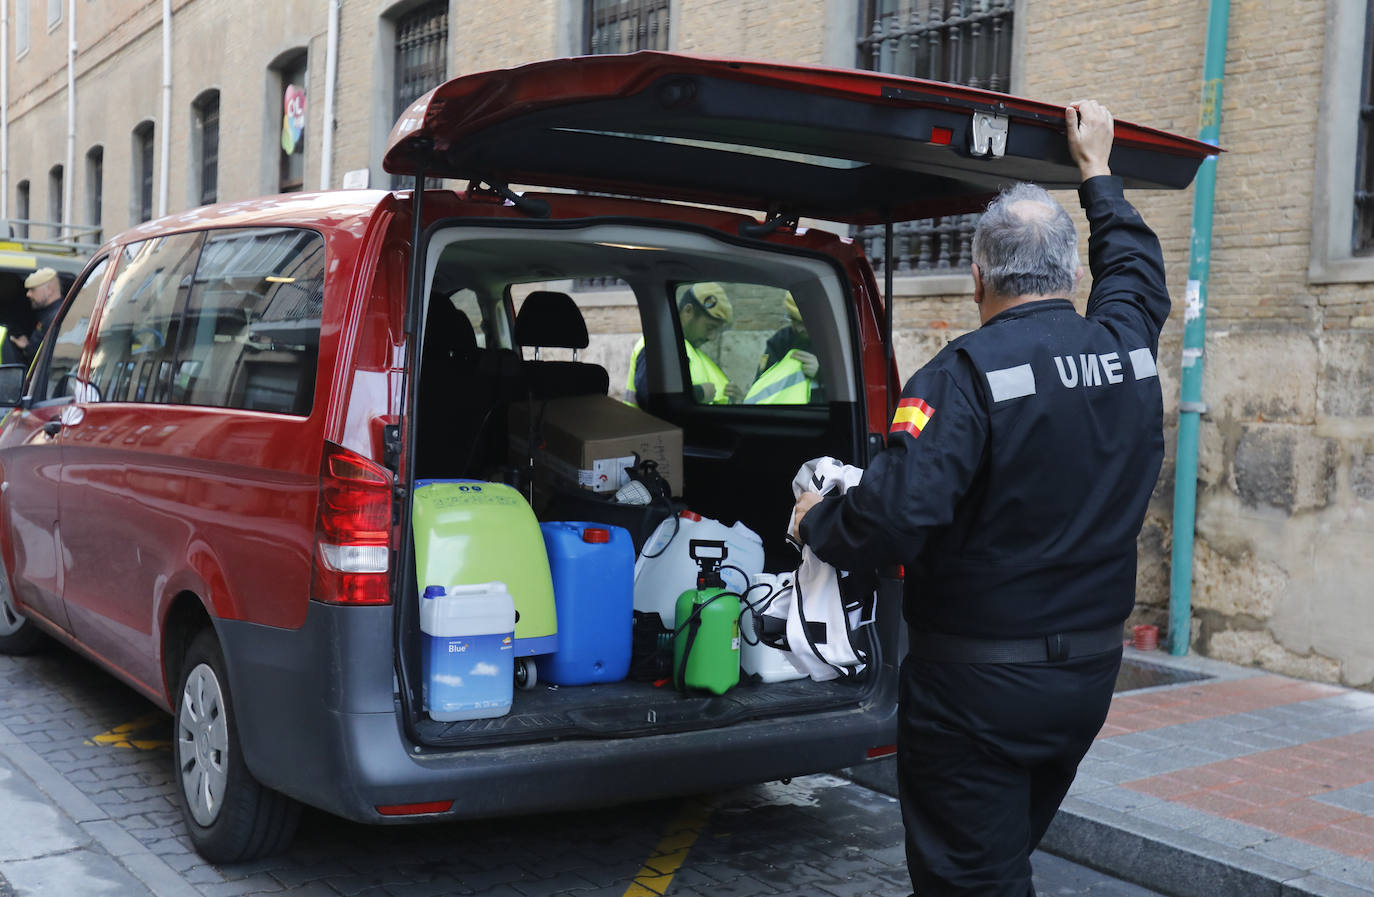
[589, 440]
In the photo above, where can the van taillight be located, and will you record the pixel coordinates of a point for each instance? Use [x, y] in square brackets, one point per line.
[353, 532]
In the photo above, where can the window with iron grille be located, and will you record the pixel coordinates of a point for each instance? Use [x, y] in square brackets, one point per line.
[624, 26]
[959, 41]
[421, 62]
[1363, 242]
[205, 138]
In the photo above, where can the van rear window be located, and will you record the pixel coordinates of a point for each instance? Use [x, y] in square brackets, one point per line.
[235, 324]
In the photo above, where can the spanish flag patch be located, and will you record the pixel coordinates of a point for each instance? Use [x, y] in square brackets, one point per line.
[911, 417]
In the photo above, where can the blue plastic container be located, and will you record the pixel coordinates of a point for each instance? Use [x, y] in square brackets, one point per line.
[466, 664]
[593, 591]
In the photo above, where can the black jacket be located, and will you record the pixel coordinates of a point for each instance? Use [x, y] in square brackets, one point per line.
[1022, 457]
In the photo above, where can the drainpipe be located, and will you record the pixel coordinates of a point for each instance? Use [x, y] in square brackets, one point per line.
[166, 127]
[69, 173]
[5, 117]
[331, 69]
[1190, 407]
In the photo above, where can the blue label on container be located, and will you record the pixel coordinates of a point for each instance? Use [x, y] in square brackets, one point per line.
[468, 672]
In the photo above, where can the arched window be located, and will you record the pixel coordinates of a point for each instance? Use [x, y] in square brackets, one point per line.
[21, 209]
[204, 165]
[142, 177]
[55, 184]
[289, 114]
[95, 188]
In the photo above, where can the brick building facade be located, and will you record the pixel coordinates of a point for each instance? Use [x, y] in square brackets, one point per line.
[1286, 474]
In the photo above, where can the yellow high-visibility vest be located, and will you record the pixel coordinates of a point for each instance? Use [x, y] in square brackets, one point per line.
[700, 368]
[785, 383]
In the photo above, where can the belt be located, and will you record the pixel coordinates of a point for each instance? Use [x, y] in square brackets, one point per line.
[939, 648]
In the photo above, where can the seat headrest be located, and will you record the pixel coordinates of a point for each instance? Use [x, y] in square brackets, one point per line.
[550, 319]
[449, 331]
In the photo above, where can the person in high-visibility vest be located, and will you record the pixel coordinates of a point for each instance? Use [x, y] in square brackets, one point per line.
[703, 311]
[785, 383]
[788, 370]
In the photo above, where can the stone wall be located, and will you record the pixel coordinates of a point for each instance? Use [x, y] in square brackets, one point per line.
[1280, 575]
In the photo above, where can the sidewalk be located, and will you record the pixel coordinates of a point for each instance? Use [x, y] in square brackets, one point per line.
[55, 840]
[1239, 784]
[1243, 783]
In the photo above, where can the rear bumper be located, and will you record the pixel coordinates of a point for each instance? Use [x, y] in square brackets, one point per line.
[318, 721]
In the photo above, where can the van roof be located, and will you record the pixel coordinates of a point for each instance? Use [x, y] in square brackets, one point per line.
[836, 144]
[322, 211]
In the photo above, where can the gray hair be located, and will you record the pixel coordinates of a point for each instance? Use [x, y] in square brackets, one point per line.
[1026, 250]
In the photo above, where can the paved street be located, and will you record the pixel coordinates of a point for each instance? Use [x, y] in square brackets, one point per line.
[84, 764]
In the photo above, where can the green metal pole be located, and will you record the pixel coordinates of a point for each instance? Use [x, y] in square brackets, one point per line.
[1190, 405]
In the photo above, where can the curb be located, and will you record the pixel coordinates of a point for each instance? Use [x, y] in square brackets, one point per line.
[1172, 862]
[1149, 855]
[105, 834]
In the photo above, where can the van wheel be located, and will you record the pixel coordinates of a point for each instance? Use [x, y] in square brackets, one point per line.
[17, 634]
[230, 816]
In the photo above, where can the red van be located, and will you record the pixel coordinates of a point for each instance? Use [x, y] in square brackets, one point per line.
[207, 473]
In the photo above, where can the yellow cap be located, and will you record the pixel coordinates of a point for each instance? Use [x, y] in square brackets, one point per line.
[711, 297]
[39, 277]
[791, 305]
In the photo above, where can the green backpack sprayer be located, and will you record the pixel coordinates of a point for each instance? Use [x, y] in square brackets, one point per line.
[706, 638]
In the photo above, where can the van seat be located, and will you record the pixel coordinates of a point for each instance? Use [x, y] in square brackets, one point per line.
[464, 391]
[552, 320]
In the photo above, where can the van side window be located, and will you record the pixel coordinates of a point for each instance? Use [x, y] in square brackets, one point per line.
[252, 333]
[137, 335]
[746, 343]
[60, 381]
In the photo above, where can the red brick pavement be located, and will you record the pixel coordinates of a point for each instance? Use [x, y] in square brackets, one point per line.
[1205, 700]
[1272, 790]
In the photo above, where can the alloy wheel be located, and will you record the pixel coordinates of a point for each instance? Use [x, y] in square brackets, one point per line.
[203, 744]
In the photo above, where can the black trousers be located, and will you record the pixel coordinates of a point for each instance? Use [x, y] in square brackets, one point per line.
[986, 753]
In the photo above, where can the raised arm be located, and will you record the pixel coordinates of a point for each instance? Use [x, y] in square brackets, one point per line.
[1123, 253]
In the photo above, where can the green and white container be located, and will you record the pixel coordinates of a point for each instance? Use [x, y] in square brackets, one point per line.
[472, 531]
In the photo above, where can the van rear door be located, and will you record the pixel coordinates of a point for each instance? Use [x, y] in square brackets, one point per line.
[853, 146]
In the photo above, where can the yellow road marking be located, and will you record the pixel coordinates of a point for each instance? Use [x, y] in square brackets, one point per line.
[122, 736]
[682, 832]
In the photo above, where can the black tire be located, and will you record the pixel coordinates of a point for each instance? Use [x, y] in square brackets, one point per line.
[230, 816]
[526, 673]
[17, 635]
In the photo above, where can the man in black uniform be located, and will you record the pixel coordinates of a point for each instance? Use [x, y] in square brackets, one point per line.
[1013, 487]
[44, 290]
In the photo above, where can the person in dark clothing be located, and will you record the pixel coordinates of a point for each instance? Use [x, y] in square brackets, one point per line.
[16, 316]
[44, 290]
[1015, 481]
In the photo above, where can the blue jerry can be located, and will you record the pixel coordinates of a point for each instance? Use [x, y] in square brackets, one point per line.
[593, 592]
